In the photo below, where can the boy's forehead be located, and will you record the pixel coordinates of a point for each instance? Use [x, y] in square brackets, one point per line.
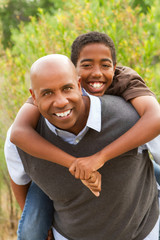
[95, 51]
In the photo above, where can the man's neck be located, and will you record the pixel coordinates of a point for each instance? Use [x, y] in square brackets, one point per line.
[84, 113]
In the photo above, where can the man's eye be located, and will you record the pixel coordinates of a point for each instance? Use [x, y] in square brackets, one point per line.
[67, 89]
[47, 93]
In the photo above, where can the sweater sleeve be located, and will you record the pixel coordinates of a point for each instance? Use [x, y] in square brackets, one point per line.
[128, 84]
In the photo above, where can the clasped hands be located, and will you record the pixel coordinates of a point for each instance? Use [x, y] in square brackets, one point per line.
[85, 169]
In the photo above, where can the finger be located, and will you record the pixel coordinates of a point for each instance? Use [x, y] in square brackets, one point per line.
[82, 175]
[94, 190]
[97, 194]
[92, 177]
[95, 187]
[96, 184]
[87, 174]
[77, 173]
[72, 169]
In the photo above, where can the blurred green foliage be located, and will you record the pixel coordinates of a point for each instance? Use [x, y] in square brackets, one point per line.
[12, 12]
[144, 5]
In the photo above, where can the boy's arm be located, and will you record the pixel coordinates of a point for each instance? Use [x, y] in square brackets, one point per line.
[147, 127]
[20, 192]
[23, 131]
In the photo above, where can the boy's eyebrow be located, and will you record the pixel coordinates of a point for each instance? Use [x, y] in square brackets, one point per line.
[91, 60]
[106, 60]
[86, 60]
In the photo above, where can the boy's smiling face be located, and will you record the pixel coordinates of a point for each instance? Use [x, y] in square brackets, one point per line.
[95, 67]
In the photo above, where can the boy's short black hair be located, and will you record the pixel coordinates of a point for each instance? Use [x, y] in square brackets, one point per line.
[89, 38]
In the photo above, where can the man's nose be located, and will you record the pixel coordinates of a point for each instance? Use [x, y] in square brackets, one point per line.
[60, 101]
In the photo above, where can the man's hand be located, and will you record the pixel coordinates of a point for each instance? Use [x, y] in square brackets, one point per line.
[83, 167]
[50, 235]
[94, 183]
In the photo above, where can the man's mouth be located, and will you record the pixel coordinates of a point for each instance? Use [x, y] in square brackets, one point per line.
[96, 85]
[63, 114]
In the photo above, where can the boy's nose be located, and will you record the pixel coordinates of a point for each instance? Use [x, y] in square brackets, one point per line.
[97, 72]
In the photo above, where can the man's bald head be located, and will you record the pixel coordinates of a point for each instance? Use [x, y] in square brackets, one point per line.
[57, 92]
[53, 63]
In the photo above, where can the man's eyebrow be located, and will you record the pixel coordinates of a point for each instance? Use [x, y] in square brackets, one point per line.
[68, 85]
[45, 90]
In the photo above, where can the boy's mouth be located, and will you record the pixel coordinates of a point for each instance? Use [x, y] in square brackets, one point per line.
[96, 85]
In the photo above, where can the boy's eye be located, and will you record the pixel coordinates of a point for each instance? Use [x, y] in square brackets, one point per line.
[86, 65]
[105, 65]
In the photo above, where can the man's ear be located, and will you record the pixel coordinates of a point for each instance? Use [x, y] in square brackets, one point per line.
[79, 83]
[33, 96]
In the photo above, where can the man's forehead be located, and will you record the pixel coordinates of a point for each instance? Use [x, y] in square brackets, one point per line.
[51, 68]
[53, 61]
[50, 81]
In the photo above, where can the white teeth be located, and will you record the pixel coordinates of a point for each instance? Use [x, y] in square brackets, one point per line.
[63, 114]
[96, 84]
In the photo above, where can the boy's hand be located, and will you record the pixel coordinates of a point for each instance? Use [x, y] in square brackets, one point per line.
[83, 167]
[94, 183]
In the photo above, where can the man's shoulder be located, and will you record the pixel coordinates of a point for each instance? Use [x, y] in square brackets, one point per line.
[115, 105]
[111, 99]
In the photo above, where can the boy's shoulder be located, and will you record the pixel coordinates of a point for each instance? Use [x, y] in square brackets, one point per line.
[128, 84]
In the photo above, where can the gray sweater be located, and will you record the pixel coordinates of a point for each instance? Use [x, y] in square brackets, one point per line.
[127, 208]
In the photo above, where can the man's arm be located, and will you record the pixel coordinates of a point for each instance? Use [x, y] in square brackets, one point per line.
[28, 116]
[20, 192]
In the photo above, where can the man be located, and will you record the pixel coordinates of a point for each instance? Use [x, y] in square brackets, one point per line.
[128, 209]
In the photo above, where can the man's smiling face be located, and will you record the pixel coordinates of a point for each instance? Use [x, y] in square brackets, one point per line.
[95, 67]
[57, 93]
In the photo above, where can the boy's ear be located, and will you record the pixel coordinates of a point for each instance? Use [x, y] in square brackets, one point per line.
[115, 67]
[33, 96]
